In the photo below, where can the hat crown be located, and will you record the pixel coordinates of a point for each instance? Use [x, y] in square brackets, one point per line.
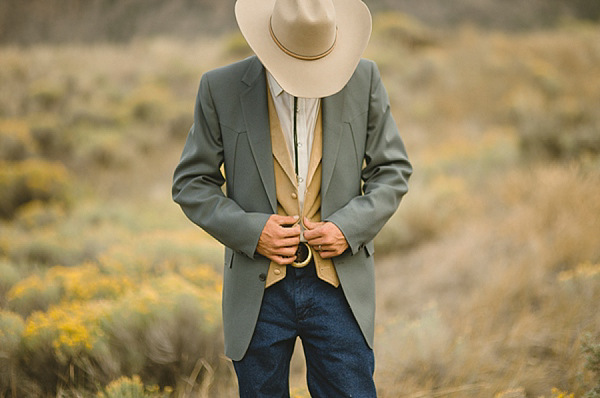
[304, 28]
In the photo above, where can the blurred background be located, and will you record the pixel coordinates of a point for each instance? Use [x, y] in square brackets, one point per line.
[488, 275]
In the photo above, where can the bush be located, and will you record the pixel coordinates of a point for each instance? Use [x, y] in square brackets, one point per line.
[161, 331]
[36, 214]
[90, 324]
[105, 148]
[82, 283]
[30, 180]
[47, 96]
[425, 213]
[52, 141]
[148, 103]
[556, 134]
[34, 293]
[126, 387]
[591, 349]
[69, 330]
[15, 141]
[9, 276]
[11, 331]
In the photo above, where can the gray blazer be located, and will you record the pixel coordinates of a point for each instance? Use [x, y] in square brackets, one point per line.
[364, 176]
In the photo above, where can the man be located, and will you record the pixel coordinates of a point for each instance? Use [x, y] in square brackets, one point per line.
[314, 167]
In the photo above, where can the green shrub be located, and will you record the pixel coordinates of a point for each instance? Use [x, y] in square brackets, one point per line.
[45, 248]
[591, 349]
[557, 135]
[52, 141]
[96, 324]
[15, 140]
[162, 330]
[9, 276]
[30, 180]
[36, 214]
[105, 148]
[133, 387]
[47, 96]
[148, 103]
[11, 331]
[34, 293]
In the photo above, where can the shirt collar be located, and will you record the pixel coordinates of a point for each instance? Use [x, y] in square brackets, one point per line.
[275, 87]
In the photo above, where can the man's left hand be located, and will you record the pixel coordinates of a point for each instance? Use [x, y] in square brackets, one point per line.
[325, 237]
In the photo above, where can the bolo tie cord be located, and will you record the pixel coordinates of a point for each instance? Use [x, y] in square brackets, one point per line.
[296, 136]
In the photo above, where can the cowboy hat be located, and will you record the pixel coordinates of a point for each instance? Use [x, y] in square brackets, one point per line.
[311, 47]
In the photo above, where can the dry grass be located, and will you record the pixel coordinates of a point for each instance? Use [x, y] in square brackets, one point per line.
[499, 300]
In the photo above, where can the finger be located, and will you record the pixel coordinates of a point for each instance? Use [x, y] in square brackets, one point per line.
[316, 237]
[313, 234]
[320, 248]
[286, 251]
[292, 242]
[309, 224]
[291, 232]
[330, 252]
[326, 254]
[283, 260]
[315, 242]
[284, 220]
[286, 243]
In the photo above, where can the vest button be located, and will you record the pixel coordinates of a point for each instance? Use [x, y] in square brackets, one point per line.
[277, 271]
[262, 277]
[294, 196]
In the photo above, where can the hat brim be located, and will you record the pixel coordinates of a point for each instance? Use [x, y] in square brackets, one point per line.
[308, 79]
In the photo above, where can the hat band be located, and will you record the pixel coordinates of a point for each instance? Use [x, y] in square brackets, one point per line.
[300, 56]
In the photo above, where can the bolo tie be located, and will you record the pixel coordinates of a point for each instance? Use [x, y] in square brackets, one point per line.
[296, 137]
[303, 254]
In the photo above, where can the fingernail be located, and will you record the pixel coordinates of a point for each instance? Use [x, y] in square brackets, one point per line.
[296, 217]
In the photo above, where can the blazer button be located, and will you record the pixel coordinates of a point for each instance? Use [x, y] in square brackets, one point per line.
[262, 277]
[294, 196]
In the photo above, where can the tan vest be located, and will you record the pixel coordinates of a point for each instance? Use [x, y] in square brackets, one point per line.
[287, 192]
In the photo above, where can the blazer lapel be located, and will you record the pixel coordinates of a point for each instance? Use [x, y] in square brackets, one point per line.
[278, 143]
[254, 105]
[333, 109]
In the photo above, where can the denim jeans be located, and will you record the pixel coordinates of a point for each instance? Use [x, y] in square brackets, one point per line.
[338, 360]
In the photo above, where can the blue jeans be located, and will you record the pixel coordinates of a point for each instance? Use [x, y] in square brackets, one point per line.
[338, 360]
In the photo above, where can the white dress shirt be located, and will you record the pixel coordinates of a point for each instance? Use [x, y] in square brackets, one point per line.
[306, 120]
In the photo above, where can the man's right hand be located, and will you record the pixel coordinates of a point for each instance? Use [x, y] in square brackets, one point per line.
[279, 239]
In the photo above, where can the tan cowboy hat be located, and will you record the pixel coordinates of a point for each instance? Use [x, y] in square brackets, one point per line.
[311, 47]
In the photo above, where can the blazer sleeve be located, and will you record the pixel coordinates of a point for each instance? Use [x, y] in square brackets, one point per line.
[385, 175]
[198, 181]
